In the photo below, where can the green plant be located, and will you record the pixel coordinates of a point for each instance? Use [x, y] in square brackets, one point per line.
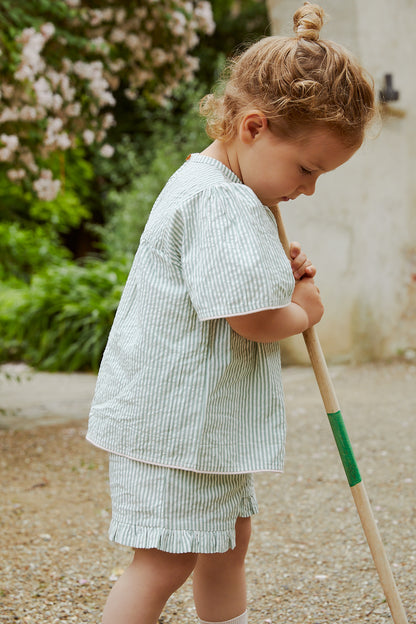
[26, 251]
[62, 319]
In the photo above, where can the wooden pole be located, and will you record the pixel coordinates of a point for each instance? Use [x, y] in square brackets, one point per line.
[358, 490]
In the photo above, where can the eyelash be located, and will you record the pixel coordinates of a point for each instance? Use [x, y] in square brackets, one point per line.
[305, 171]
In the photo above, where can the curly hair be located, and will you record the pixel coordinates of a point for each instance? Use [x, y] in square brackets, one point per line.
[295, 82]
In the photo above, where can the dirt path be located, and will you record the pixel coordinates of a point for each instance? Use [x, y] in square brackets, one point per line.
[308, 561]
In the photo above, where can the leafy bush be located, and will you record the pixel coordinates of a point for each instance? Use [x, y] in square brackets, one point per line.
[68, 211]
[26, 251]
[164, 151]
[62, 319]
[55, 313]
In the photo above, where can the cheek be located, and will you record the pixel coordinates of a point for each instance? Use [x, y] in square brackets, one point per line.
[282, 183]
[295, 180]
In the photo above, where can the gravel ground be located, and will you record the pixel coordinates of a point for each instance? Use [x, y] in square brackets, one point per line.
[308, 561]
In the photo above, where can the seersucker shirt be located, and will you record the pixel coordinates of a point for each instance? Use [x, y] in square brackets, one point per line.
[177, 386]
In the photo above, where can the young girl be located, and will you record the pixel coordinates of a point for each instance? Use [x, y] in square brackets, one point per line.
[189, 399]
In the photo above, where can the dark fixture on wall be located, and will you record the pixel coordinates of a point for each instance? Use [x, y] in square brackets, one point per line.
[388, 93]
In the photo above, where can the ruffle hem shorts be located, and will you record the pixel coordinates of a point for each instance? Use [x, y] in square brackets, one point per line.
[175, 510]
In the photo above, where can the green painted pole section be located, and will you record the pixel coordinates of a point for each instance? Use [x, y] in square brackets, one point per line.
[344, 447]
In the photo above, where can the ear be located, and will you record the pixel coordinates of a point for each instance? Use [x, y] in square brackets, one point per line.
[253, 124]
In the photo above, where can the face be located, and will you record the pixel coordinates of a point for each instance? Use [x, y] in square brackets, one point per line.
[279, 169]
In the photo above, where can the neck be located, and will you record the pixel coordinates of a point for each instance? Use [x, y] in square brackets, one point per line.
[226, 154]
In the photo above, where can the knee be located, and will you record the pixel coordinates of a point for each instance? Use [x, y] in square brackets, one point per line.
[232, 561]
[178, 571]
[166, 571]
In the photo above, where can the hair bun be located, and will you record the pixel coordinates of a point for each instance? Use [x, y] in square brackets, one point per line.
[308, 21]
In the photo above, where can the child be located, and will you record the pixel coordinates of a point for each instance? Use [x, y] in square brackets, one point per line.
[189, 399]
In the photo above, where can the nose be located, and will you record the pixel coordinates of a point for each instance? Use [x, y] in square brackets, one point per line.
[308, 188]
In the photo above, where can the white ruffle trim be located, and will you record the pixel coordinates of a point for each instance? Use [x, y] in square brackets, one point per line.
[172, 541]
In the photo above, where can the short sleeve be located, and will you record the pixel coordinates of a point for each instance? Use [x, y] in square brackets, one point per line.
[233, 261]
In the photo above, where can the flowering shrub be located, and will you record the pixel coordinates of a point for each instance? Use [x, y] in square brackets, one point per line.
[64, 64]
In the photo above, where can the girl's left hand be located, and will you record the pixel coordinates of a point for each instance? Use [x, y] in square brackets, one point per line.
[301, 266]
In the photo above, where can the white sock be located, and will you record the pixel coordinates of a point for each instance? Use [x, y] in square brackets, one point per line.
[241, 619]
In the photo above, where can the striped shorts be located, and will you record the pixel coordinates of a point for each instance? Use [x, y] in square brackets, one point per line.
[175, 510]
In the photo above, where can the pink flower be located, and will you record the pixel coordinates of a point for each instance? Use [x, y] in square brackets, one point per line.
[16, 174]
[107, 150]
[47, 30]
[46, 187]
[88, 136]
[10, 141]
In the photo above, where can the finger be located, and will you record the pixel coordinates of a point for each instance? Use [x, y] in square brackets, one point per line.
[299, 261]
[310, 270]
[294, 249]
[300, 268]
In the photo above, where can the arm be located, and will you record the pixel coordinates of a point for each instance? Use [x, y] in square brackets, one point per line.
[305, 310]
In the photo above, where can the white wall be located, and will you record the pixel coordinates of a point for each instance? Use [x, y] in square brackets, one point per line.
[360, 226]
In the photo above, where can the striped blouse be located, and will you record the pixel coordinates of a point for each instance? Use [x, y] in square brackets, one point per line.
[177, 386]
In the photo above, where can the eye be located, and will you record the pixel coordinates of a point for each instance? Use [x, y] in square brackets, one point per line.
[305, 171]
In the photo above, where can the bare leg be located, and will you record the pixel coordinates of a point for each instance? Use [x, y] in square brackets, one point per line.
[219, 581]
[141, 592]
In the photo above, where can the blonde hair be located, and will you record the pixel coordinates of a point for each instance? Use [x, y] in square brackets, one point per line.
[296, 82]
